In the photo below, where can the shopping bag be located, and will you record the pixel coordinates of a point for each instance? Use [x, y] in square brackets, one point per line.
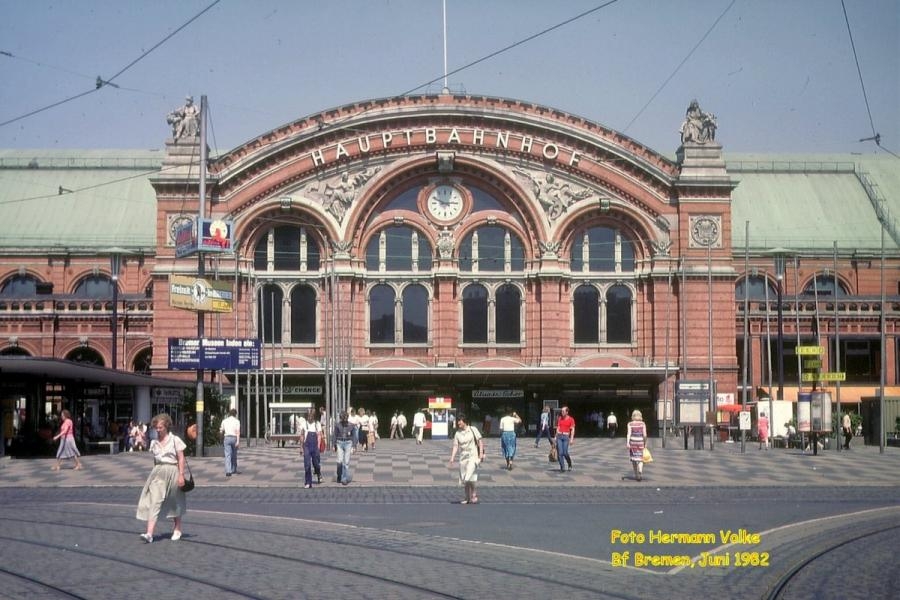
[647, 458]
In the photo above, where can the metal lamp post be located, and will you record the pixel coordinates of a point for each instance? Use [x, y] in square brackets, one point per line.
[115, 266]
[779, 277]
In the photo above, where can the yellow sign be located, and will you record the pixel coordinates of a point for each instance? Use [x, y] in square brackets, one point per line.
[812, 364]
[204, 295]
[198, 406]
[810, 350]
[823, 377]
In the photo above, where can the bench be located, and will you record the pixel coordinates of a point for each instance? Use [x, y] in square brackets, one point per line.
[112, 445]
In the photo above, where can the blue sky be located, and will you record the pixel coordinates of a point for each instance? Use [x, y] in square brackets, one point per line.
[779, 74]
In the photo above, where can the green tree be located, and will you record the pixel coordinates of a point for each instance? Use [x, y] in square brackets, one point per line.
[215, 408]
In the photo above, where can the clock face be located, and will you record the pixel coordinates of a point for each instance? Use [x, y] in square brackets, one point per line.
[445, 202]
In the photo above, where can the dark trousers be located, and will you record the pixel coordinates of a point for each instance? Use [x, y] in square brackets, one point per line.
[311, 457]
[848, 435]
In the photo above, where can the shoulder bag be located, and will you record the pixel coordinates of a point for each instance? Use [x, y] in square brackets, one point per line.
[189, 480]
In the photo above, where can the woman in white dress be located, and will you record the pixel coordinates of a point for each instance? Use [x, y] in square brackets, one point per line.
[162, 493]
[469, 445]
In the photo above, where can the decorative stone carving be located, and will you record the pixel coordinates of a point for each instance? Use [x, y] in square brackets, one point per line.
[706, 231]
[338, 193]
[445, 244]
[185, 121]
[699, 127]
[341, 248]
[661, 247]
[550, 249]
[554, 195]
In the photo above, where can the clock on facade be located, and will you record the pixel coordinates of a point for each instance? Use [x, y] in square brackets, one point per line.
[445, 202]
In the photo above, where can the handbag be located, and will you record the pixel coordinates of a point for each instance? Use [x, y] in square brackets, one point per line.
[647, 457]
[554, 453]
[189, 482]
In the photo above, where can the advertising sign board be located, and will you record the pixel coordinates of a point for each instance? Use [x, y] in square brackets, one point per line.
[214, 354]
[199, 294]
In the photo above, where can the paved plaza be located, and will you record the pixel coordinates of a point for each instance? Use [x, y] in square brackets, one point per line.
[795, 522]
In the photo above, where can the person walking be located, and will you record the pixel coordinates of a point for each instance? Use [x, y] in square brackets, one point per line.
[373, 429]
[67, 447]
[469, 445]
[847, 428]
[401, 424]
[635, 440]
[508, 425]
[231, 431]
[544, 428]
[162, 493]
[363, 429]
[612, 424]
[762, 428]
[394, 425]
[419, 426]
[565, 436]
[310, 430]
[344, 440]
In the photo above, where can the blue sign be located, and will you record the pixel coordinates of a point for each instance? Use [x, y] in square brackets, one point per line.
[213, 354]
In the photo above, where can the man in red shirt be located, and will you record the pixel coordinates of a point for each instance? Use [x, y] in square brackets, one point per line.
[565, 435]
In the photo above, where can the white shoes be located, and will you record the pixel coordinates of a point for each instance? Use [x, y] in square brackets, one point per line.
[147, 538]
[176, 535]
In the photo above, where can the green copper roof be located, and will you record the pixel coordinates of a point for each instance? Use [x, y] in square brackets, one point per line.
[809, 202]
[78, 199]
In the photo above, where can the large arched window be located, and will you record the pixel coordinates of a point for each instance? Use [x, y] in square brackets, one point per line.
[415, 314]
[618, 315]
[303, 315]
[381, 314]
[398, 248]
[94, 287]
[586, 314]
[269, 313]
[823, 285]
[287, 248]
[85, 355]
[19, 286]
[602, 250]
[507, 317]
[758, 285]
[142, 361]
[475, 314]
[491, 249]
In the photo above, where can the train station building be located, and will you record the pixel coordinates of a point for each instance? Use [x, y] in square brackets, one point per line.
[491, 251]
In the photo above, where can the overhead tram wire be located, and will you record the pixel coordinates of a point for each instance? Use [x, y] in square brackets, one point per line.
[483, 58]
[875, 137]
[100, 82]
[681, 64]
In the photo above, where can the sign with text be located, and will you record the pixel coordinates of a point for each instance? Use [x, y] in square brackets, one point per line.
[213, 354]
[810, 350]
[806, 377]
[199, 294]
[185, 239]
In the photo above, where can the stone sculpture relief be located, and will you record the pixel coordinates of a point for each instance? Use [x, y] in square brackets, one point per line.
[338, 193]
[445, 244]
[554, 195]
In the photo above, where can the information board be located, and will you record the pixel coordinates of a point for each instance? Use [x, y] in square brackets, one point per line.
[213, 354]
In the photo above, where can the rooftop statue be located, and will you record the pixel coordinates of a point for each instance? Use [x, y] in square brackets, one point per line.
[699, 127]
[185, 121]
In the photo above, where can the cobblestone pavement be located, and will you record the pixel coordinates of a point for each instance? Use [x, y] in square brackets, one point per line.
[597, 462]
[395, 532]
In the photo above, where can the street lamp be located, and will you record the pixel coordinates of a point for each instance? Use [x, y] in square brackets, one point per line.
[779, 277]
[115, 265]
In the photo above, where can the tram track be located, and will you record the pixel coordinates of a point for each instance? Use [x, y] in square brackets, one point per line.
[781, 587]
[477, 560]
[36, 582]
